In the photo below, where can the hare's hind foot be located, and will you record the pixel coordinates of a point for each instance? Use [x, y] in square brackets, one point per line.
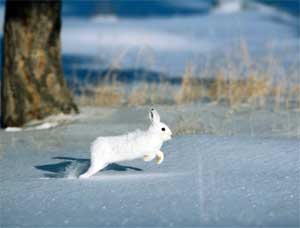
[159, 157]
[92, 170]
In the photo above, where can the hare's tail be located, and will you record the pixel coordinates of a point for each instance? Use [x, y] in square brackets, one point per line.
[73, 170]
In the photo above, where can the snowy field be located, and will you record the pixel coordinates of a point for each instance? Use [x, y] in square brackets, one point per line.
[204, 181]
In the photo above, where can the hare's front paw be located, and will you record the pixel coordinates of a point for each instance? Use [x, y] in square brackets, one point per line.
[149, 157]
[159, 157]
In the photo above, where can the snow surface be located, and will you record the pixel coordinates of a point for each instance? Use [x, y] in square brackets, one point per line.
[42, 126]
[47, 123]
[229, 6]
[204, 180]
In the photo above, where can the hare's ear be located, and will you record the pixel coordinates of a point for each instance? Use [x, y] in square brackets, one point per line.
[154, 116]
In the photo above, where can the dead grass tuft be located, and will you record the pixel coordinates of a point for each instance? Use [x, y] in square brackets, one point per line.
[234, 83]
[108, 95]
[190, 89]
[253, 90]
[139, 95]
[102, 94]
[151, 93]
[218, 88]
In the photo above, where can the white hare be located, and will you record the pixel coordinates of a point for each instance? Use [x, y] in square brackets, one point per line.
[134, 145]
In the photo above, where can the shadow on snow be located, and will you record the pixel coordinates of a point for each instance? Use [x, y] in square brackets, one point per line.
[76, 166]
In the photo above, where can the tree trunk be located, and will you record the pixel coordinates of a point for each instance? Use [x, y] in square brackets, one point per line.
[33, 85]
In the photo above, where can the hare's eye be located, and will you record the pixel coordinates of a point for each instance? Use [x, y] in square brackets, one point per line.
[163, 129]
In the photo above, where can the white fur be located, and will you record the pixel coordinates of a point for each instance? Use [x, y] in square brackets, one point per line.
[135, 145]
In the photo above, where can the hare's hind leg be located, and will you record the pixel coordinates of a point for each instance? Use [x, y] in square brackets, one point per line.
[94, 168]
[149, 157]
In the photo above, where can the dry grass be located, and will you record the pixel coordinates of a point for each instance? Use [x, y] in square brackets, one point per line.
[190, 89]
[278, 92]
[255, 91]
[161, 93]
[151, 93]
[104, 93]
[293, 95]
[139, 95]
[229, 84]
[102, 96]
[108, 95]
[218, 89]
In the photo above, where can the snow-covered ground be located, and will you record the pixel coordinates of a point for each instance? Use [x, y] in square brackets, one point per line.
[194, 118]
[204, 181]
